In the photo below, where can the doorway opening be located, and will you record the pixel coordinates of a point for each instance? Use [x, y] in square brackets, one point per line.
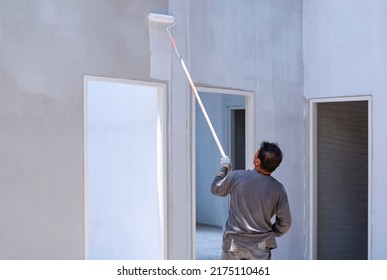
[232, 117]
[238, 137]
[340, 194]
[125, 192]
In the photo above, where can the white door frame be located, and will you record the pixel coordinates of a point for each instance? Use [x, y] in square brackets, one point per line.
[313, 168]
[250, 137]
[162, 93]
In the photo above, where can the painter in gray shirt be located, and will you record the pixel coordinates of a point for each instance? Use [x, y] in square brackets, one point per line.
[255, 198]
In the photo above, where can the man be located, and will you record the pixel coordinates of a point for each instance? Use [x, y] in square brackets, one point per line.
[256, 197]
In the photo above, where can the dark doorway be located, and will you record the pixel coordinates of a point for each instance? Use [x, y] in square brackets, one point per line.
[238, 138]
[342, 195]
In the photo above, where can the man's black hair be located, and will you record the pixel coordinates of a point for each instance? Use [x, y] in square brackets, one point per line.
[270, 156]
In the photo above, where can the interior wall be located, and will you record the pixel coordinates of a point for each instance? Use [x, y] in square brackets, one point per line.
[257, 46]
[279, 108]
[344, 55]
[180, 143]
[46, 49]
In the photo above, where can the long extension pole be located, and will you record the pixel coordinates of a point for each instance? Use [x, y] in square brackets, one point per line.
[196, 93]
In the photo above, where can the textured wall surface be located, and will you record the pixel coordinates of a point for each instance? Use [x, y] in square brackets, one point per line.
[257, 46]
[46, 48]
[344, 56]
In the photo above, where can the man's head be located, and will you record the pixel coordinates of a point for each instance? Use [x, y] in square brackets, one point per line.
[268, 156]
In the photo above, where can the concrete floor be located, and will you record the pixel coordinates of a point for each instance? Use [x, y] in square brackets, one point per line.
[208, 242]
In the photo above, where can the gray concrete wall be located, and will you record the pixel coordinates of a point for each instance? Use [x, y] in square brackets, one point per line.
[257, 46]
[46, 48]
[279, 107]
[180, 165]
[345, 55]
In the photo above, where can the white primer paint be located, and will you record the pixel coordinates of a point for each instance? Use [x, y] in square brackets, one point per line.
[160, 51]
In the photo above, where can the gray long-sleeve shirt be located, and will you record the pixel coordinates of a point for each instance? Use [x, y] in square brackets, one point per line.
[255, 200]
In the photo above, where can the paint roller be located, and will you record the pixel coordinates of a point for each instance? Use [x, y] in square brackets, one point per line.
[170, 20]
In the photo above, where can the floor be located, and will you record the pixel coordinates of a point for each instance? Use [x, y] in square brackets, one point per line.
[208, 242]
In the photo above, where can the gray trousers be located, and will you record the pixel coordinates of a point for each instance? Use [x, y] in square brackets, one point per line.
[243, 247]
[247, 254]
